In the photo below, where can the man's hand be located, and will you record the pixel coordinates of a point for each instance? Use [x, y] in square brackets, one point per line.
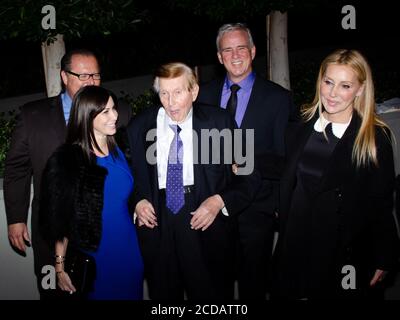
[18, 234]
[378, 276]
[235, 168]
[205, 215]
[146, 214]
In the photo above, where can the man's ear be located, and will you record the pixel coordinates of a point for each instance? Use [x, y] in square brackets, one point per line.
[220, 58]
[64, 77]
[195, 92]
[253, 52]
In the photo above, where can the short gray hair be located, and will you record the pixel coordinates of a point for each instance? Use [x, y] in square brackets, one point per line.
[229, 27]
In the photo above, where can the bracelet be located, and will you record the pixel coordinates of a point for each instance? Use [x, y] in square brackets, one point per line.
[59, 262]
[61, 257]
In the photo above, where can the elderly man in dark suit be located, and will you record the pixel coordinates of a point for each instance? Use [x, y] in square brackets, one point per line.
[40, 129]
[184, 206]
[264, 106]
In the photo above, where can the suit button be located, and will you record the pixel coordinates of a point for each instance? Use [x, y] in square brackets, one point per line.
[338, 193]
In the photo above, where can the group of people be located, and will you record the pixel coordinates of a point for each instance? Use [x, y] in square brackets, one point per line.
[323, 179]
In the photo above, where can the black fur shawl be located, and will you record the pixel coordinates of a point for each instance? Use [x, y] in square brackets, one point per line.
[71, 201]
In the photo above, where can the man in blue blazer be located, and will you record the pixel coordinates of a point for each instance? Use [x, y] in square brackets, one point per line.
[265, 107]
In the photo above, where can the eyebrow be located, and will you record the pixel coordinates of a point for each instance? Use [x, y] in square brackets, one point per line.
[326, 77]
[238, 46]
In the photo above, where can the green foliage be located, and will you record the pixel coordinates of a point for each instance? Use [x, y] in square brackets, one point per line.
[238, 9]
[146, 99]
[74, 18]
[6, 127]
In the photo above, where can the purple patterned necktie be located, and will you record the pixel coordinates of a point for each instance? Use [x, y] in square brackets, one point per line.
[174, 189]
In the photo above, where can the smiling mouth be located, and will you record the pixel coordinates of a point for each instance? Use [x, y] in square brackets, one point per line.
[331, 103]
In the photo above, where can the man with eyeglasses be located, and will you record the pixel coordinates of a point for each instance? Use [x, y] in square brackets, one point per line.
[40, 129]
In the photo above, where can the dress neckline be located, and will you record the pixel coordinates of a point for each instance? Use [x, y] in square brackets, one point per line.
[103, 157]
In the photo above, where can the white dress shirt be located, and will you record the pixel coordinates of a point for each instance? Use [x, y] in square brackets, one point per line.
[165, 135]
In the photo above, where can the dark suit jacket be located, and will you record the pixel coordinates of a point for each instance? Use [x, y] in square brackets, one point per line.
[350, 214]
[40, 129]
[209, 179]
[268, 111]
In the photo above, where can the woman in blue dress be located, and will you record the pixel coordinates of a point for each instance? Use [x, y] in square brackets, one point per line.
[84, 205]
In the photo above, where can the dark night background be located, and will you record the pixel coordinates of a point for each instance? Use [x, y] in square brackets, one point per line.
[179, 35]
[175, 34]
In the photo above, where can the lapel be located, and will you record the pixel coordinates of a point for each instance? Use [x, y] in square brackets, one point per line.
[58, 125]
[340, 166]
[299, 138]
[251, 109]
[152, 168]
[219, 86]
[200, 121]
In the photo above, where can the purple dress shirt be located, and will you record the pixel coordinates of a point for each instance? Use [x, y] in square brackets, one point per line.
[246, 85]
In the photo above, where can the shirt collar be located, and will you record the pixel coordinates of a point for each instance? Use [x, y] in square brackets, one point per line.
[338, 129]
[245, 84]
[66, 100]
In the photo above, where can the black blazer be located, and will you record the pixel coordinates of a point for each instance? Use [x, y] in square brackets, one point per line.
[209, 178]
[269, 109]
[40, 129]
[351, 213]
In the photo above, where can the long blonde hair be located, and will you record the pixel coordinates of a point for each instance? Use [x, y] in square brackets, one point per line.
[364, 149]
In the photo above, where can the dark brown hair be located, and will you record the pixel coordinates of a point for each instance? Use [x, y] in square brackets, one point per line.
[88, 102]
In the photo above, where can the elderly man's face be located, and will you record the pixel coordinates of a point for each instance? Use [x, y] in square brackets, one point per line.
[176, 98]
[80, 64]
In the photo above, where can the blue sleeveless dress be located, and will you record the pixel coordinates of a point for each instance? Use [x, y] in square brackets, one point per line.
[119, 265]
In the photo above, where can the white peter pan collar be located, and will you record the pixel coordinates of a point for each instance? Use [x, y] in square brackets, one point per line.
[338, 129]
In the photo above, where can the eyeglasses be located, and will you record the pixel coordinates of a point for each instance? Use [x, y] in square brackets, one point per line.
[85, 76]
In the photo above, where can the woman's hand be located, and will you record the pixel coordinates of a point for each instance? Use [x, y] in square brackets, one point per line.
[64, 282]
